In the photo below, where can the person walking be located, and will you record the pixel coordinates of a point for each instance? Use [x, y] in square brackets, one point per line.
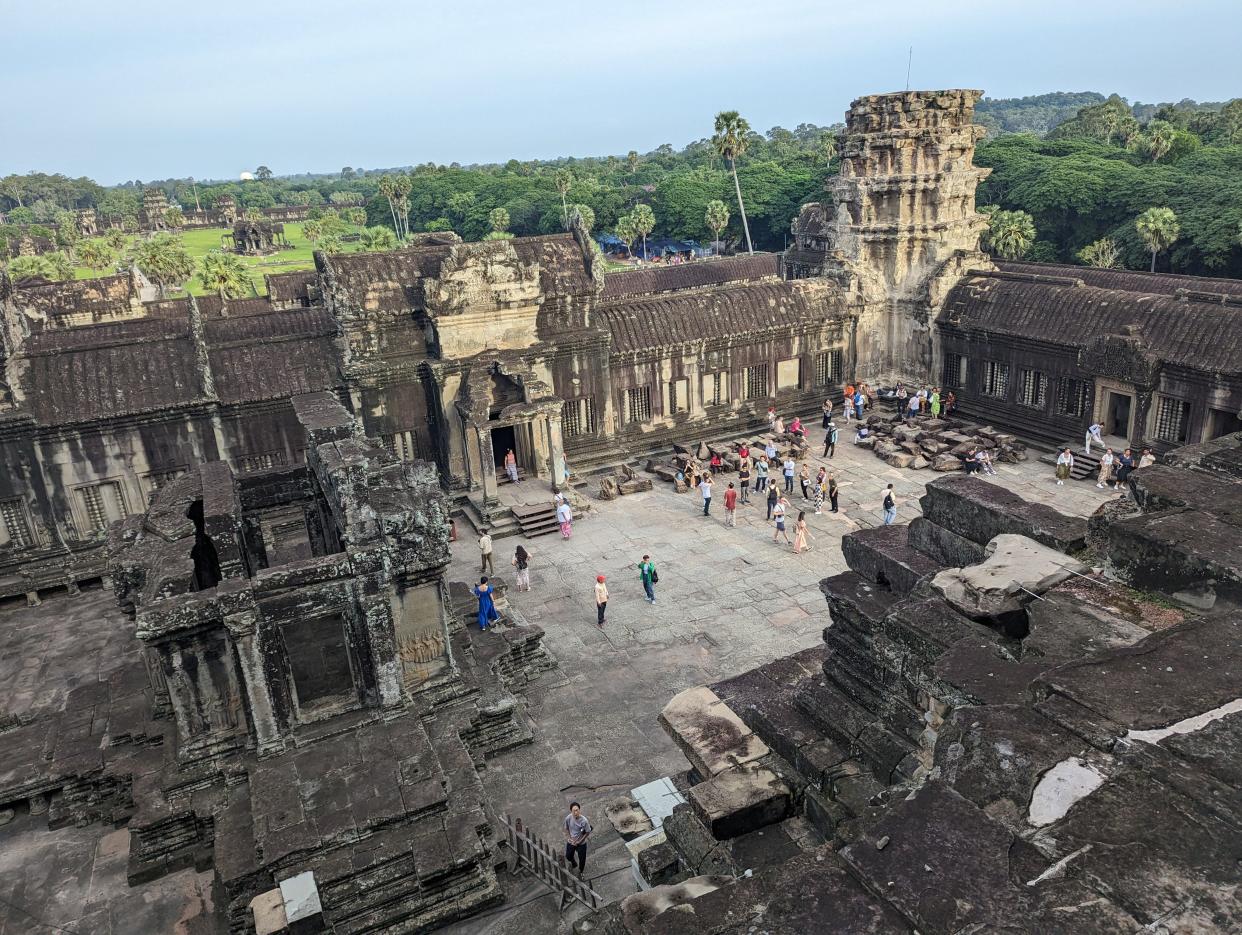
[778, 514]
[730, 497]
[761, 473]
[950, 403]
[577, 833]
[830, 441]
[511, 465]
[889, 505]
[774, 497]
[801, 534]
[1065, 464]
[934, 401]
[487, 606]
[804, 478]
[647, 572]
[847, 402]
[1105, 476]
[1093, 434]
[789, 468]
[743, 479]
[485, 551]
[827, 409]
[818, 489]
[833, 492]
[601, 600]
[771, 418]
[565, 516]
[705, 487]
[521, 562]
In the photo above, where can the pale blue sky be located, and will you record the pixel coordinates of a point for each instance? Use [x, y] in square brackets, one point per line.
[138, 89]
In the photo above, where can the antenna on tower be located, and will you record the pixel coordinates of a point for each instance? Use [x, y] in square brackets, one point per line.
[909, 62]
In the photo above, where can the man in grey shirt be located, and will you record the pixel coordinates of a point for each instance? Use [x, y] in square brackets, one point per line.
[577, 831]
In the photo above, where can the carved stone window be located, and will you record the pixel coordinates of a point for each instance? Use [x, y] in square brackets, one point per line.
[828, 368]
[995, 379]
[578, 417]
[715, 388]
[638, 404]
[1032, 388]
[14, 524]
[788, 374]
[757, 381]
[260, 462]
[1172, 419]
[102, 504]
[679, 395]
[1072, 396]
[953, 372]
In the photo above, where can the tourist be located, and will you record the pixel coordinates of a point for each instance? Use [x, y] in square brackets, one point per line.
[801, 534]
[774, 497]
[1107, 464]
[770, 450]
[1093, 434]
[804, 478]
[889, 505]
[771, 417]
[912, 408]
[511, 465]
[601, 600]
[1065, 464]
[827, 409]
[818, 491]
[862, 433]
[778, 514]
[716, 463]
[577, 833]
[830, 441]
[521, 562]
[859, 402]
[1146, 459]
[847, 402]
[647, 572]
[1125, 464]
[833, 491]
[934, 402]
[795, 428]
[761, 473]
[743, 479]
[487, 607]
[778, 427]
[970, 463]
[485, 552]
[730, 505]
[565, 516]
[901, 394]
[950, 403]
[743, 451]
[705, 487]
[789, 469]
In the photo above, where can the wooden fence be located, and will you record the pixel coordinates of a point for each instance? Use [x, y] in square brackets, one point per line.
[548, 864]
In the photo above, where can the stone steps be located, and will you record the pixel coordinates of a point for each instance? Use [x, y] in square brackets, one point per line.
[535, 520]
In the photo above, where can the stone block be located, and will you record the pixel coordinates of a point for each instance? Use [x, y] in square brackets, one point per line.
[920, 463]
[883, 554]
[945, 546]
[978, 510]
[900, 459]
[710, 735]
[947, 462]
[740, 799]
[1014, 570]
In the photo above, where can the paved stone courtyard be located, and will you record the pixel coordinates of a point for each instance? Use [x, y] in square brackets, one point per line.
[728, 600]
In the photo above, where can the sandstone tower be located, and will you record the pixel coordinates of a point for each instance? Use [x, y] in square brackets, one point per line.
[901, 227]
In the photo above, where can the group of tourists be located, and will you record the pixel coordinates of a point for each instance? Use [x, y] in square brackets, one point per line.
[927, 401]
[1114, 469]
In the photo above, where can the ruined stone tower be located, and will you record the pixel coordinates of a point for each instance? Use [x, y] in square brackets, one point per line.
[901, 227]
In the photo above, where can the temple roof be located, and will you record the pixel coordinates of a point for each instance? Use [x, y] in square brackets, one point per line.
[1128, 280]
[705, 314]
[651, 279]
[275, 355]
[1194, 333]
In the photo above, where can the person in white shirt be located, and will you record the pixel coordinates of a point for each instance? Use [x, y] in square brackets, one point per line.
[485, 552]
[1065, 464]
[705, 486]
[1093, 435]
[601, 599]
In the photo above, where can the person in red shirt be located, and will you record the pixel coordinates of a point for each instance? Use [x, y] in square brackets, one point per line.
[744, 451]
[716, 462]
[730, 506]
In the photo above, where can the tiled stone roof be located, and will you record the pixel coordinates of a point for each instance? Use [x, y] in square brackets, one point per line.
[1128, 280]
[652, 279]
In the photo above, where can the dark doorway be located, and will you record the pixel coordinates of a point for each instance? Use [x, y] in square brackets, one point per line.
[503, 438]
[1117, 418]
[1222, 422]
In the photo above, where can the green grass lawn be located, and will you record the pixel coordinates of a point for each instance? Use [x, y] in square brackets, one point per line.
[202, 241]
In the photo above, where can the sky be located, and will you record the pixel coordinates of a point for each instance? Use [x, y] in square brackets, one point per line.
[132, 89]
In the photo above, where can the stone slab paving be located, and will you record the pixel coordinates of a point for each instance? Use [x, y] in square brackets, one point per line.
[728, 599]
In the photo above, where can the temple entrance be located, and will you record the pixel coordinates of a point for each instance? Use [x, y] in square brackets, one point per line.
[503, 438]
[1117, 415]
[1222, 422]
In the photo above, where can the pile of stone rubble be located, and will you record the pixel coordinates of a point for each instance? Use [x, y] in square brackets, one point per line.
[939, 444]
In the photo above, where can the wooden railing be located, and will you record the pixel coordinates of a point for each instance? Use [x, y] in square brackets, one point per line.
[547, 864]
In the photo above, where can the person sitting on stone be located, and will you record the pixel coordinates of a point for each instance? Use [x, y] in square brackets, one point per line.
[778, 426]
[985, 461]
[1146, 459]
[716, 463]
[795, 427]
[970, 462]
[863, 432]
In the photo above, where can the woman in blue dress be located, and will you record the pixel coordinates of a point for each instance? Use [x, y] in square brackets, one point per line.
[487, 608]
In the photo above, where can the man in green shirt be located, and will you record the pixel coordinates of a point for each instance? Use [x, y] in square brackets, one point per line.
[647, 571]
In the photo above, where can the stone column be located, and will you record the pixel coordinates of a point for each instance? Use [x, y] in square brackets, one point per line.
[556, 450]
[487, 465]
[1142, 407]
[382, 636]
[243, 628]
[178, 685]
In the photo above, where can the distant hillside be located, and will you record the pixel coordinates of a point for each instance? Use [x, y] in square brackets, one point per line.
[1036, 114]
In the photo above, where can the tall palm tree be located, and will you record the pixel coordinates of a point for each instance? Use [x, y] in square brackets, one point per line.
[224, 274]
[717, 219]
[631, 160]
[376, 239]
[626, 232]
[387, 188]
[96, 255]
[730, 141]
[564, 178]
[499, 220]
[643, 219]
[586, 213]
[1159, 229]
[1159, 139]
[164, 260]
[1010, 233]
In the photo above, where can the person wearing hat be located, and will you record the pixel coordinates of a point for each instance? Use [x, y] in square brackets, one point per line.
[601, 599]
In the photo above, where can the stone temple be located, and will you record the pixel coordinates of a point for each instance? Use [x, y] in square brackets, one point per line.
[1018, 721]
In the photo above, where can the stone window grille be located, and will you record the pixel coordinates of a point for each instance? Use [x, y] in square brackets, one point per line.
[13, 513]
[578, 417]
[260, 462]
[1032, 388]
[1072, 396]
[716, 388]
[679, 395]
[402, 444]
[995, 378]
[826, 365]
[954, 370]
[102, 504]
[638, 404]
[757, 381]
[1171, 418]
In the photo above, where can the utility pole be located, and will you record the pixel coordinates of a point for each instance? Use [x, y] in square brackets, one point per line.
[909, 62]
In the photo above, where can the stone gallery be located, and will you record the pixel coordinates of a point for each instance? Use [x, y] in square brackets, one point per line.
[1017, 721]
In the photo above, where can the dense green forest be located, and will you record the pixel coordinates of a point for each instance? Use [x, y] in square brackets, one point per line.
[1083, 167]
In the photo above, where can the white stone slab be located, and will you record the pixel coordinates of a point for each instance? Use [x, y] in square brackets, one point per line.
[658, 799]
[301, 895]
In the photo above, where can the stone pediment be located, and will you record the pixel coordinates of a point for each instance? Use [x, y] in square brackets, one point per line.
[1124, 357]
[478, 277]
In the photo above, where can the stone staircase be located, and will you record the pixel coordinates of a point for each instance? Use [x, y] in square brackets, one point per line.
[535, 519]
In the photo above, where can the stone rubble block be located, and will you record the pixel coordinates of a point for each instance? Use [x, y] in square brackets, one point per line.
[712, 737]
[978, 510]
[740, 799]
[1014, 571]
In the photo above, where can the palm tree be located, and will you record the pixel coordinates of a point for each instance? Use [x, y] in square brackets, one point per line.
[402, 186]
[1010, 233]
[1159, 139]
[625, 232]
[828, 146]
[1159, 229]
[96, 255]
[164, 260]
[564, 178]
[1102, 253]
[498, 218]
[115, 238]
[631, 160]
[28, 267]
[387, 188]
[586, 213]
[174, 217]
[730, 141]
[643, 219]
[376, 239]
[717, 219]
[60, 263]
[312, 230]
[225, 274]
